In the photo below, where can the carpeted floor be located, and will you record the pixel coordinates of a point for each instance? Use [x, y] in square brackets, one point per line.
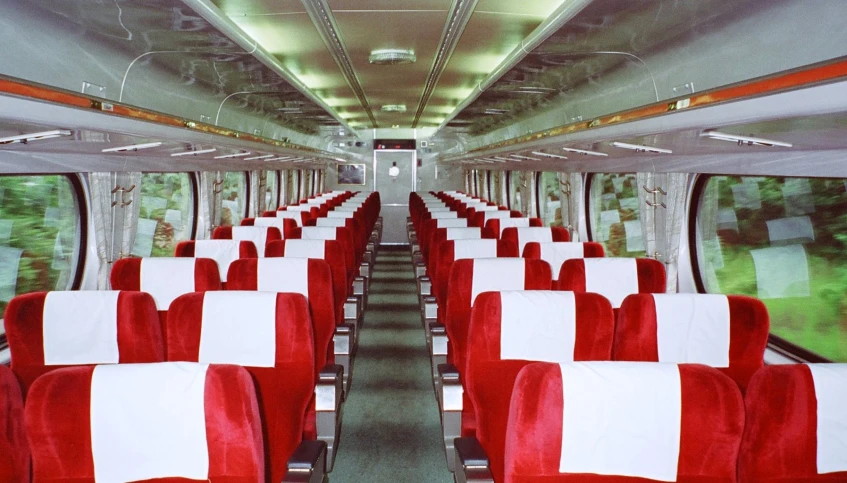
[391, 430]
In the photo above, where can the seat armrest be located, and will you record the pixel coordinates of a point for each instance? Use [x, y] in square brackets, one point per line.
[438, 334]
[328, 396]
[425, 284]
[307, 464]
[450, 393]
[472, 465]
[344, 341]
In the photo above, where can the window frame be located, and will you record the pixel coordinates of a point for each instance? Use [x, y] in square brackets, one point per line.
[586, 193]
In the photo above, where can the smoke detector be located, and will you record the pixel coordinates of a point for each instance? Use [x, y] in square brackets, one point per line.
[392, 57]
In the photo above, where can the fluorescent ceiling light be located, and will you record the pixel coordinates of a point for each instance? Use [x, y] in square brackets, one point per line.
[236, 155]
[195, 153]
[36, 136]
[549, 155]
[132, 147]
[281, 158]
[394, 108]
[392, 57]
[502, 159]
[742, 140]
[583, 151]
[518, 156]
[266, 156]
[639, 148]
[493, 160]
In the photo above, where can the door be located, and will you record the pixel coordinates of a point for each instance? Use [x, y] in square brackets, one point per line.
[394, 186]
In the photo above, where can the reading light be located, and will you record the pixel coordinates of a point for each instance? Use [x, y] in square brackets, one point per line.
[549, 155]
[236, 155]
[639, 148]
[195, 153]
[394, 171]
[742, 140]
[266, 156]
[131, 147]
[36, 136]
[583, 151]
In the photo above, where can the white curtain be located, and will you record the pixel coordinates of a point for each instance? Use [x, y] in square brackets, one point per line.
[571, 187]
[130, 212]
[101, 186]
[662, 203]
[211, 203]
[257, 193]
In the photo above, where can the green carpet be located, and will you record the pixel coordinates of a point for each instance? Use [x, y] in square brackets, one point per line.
[391, 429]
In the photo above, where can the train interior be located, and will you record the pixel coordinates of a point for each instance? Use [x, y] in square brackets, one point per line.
[433, 241]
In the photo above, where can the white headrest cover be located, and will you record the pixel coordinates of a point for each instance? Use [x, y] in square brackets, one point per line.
[166, 279]
[621, 418]
[537, 325]
[239, 327]
[451, 223]
[497, 215]
[299, 208]
[693, 328]
[340, 214]
[497, 274]
[444, 214]
[221, 251]
[347, 208]
[318, 233]
[149, 421]
[283, 275]
[613, 278]
[275, 222]
[513, 223]
[80, 327]
[557, 253]
[469, 233]
[316, 202]
[305, 249]
[831, 393]
[438, 209]
[488, 208]
[293, 215]
[480, 248]
[533, 234]
[333, 222]
[256, 234]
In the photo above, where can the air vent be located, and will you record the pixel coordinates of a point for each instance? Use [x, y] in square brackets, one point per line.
[394, 108]
[392, 57]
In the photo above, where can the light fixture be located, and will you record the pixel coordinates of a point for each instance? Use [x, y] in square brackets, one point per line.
[195, 153]
[131, 147]
[495, 112]
[745, 140]
[640, 148]
[265, 156]
[549, 155]
[236, 155]
[36, 136]
[394, 108]
[518, 156]
[583, 151]
[282, 158]
[503, 159]
[394, 171]
[392, 57]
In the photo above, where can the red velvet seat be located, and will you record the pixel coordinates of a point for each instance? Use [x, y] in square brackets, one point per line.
[299, 217]
[430, 226]
[342, 236]
[614, 278]
[440, 235]
[329, 250]
[522, 236]
[14, 448]
[357, 231]
[284, 225]
[796, 427]
[51, 330]
[164, 423]
[312, 211]
[481, 218]
[623, 422]
[726, 332]
[165, 278]
[510, 330]
[268, 333]
[259, 235]
[556, 253]
[494, 228]
[223, 252]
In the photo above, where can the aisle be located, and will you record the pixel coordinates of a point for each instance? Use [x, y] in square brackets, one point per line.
[391, 431]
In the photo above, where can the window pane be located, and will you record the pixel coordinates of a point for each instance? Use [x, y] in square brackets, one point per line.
[307, 187]
[290, 186]
[550, 199]
[614, 211]
[482, 192]
[271, 190]
[234, 198]
[167, 214]
[495, 187]
[515, 191]
[39, 234]
[781, 240]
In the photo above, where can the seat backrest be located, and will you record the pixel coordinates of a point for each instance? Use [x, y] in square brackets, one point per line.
[556, 253]
[309, 277]
[259, 235]
[728, 332]
[541, 234]
[50, 330]
[300, 218]
[268, 333]
[165, 278]
[614, 278]
[512, 329]
[14, 448]
[622, 421]
[796, 425]
[171, 421]
[284, 225]
[329, 250]
[494, 228]
[355, 227]
[451, 250]
[339, 234]
[429, 227]
[440, 235]
[223, 252]
[480, 218]
[469, 278]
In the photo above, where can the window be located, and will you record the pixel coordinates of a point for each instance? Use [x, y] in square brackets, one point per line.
[290, 186]
[319, 178]
[482, 184]
[784, 241]
[495, 187]
[615, 214]
[167, 214]
[271, 190]
[515, 196]
[549, 199]
[307, 188]
[234, 198]
[40, 235]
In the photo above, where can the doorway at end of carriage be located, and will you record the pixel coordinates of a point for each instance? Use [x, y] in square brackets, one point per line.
[395, 176]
